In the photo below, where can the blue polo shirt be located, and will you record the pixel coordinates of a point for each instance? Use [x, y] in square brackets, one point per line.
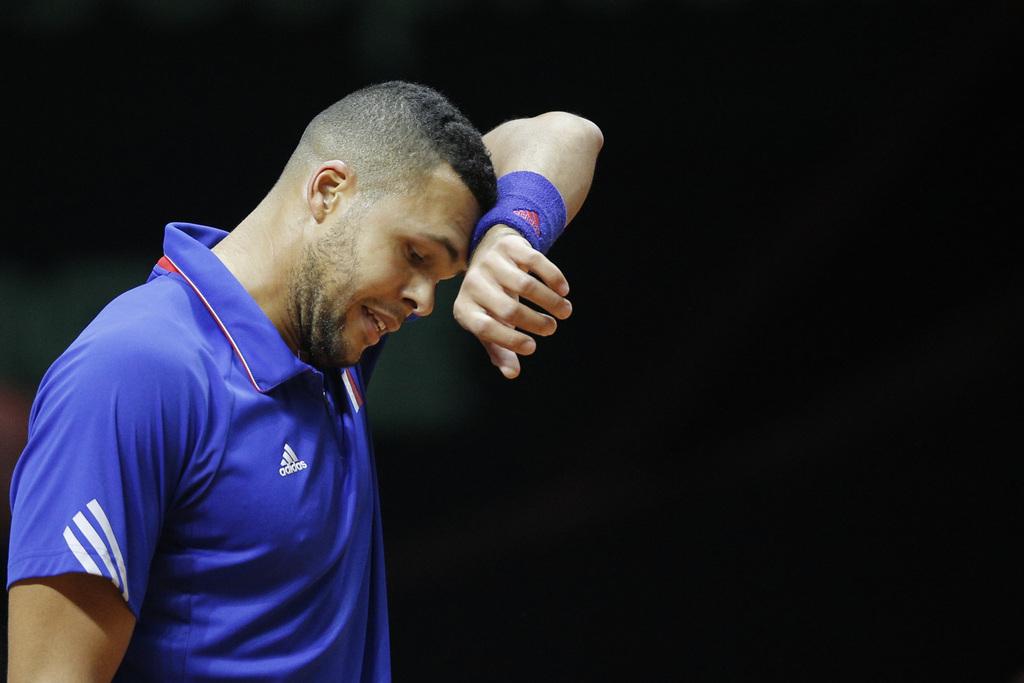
[226, 488]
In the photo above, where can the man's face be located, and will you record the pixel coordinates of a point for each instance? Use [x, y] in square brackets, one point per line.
[375, 264]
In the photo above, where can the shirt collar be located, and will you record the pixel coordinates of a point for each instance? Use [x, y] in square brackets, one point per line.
[257, 343]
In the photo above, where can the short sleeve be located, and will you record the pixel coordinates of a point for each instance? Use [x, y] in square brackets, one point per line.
[110, 432]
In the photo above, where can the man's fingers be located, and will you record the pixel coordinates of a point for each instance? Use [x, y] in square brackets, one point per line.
[489, 330]
[520, 283]
[534, 322]
[504, 306]
[506, 361]
[528, 259]
[539, 264]
[537, 292]
[505, 275]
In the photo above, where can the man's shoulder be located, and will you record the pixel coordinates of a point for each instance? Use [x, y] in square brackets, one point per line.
[162, 303]
[150, 331]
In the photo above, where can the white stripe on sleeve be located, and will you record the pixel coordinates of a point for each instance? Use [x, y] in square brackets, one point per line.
[108, 531]
[79, 552]
[97, 544]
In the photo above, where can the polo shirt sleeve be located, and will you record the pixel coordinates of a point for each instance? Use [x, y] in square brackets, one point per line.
[110, 431]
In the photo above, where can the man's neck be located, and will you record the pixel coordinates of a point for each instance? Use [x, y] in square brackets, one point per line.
[261, 252]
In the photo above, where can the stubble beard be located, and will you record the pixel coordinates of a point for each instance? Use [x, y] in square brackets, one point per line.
[321, 296]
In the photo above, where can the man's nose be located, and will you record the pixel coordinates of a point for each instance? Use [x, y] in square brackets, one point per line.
[419, 295]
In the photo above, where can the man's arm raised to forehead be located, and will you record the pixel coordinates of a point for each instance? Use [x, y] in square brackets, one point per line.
[553, 151]
[560, 146]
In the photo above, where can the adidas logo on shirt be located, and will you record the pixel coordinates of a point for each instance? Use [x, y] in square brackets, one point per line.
[290, 463]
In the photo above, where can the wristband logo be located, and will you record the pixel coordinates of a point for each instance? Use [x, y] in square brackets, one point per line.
[531, 217]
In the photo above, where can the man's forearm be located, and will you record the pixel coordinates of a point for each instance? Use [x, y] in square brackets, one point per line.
[69, 627]
[560, 146]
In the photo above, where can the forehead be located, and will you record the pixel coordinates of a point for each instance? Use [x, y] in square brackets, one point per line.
[441, 205]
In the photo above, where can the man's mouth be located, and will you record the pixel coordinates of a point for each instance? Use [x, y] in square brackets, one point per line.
[379, 323]
[381, 327]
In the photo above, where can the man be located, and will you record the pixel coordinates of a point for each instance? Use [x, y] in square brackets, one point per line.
[197, 499]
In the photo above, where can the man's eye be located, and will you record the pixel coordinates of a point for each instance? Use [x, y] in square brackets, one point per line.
[416, 257]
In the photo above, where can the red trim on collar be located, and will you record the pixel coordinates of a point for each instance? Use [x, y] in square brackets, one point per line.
[166, 264]
[169, 265]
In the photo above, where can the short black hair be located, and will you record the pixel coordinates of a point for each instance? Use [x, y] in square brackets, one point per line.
[393, 133]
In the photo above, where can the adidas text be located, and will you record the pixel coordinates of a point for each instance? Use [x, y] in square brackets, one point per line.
[292, 468]
[290, 463]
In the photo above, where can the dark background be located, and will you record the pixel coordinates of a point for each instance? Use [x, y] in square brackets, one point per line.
[779, 437]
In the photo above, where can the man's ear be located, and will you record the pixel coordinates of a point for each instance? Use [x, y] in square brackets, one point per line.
[328, 185]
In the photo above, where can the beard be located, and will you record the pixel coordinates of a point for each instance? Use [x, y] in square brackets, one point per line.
[321, 295]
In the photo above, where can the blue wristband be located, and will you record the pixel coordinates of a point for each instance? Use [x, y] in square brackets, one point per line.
[528, 203]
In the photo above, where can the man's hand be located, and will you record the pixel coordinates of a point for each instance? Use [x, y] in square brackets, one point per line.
[504, 269]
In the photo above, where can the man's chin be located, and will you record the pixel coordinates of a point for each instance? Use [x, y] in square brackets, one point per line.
[327, 359]
[335, 363]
